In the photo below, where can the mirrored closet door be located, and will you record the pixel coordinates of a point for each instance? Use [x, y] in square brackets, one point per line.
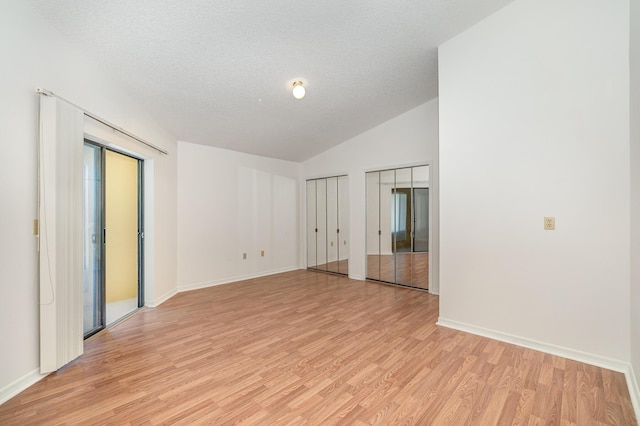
[328, 224]
[398, 226]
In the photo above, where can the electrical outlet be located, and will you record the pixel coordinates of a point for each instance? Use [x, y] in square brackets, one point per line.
[345, 242]
[549, 223]
[331, 243]
[261, 253]
[244, 256]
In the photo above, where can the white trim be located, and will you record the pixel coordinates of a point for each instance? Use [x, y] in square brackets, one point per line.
[576, 355]
[157, 302]
[634, 390]
[17, 386]
[357, 277]
[599, 361]
[197, 286]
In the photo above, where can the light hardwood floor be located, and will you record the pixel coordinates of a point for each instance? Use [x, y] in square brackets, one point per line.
[410, 269]
[312, 348]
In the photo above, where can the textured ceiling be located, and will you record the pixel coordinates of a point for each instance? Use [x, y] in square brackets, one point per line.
[220, 72]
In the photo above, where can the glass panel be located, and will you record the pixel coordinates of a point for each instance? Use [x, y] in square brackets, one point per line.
[373, 225]
[321, 222]
[92, 240]
[311, 224]
[121, 242]
[402, 226]
[332, 224]
[343, 224]
[420, 270]
[387, 206]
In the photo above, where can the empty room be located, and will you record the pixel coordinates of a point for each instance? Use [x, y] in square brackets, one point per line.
[273, 213]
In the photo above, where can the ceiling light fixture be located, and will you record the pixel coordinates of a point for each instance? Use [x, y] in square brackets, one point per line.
[298, 90]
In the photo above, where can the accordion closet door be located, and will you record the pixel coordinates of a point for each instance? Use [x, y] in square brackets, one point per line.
[327, 224]
[397, 216]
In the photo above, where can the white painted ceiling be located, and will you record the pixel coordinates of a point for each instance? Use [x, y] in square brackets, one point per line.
[220, 72]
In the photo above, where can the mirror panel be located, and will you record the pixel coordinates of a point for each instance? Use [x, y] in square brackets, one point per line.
[343, 224]
[402, 229]
[387, 231]
[373, 224]
[332, 224]
[420, 268]
[321, 222]
[327, 224]
[311, 224]
[397, 226]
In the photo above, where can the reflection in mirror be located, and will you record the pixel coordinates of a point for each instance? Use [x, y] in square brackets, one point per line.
[397, 228]
[387, 231]
[328, 224]
[311, 224]
[332, 224]
[343, 224]
[402, 226]
[373, 224]
[321, 222]
[420, 261]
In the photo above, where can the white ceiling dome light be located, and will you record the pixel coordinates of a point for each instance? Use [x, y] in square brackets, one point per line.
[298, 90]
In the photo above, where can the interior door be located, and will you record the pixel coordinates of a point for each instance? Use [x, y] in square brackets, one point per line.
[343, 224]
[312, 229]
[321, 223]
[420, 261]
[373, 224]
[387, 226]
[402, 226]
[397, 226]
[332, 224]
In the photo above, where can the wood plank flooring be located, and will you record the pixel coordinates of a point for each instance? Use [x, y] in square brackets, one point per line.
[311, 348]
[401, 268]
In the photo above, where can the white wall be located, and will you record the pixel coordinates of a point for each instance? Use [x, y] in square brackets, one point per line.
[635, 188]
[409, 139]
[230, 203]
[34, 55]
[534, 122]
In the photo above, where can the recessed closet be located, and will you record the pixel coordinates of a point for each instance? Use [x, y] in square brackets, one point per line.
[397, 228]
[328, 224]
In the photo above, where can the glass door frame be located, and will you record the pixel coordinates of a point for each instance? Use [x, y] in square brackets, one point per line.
[141, 233]
[99, 292]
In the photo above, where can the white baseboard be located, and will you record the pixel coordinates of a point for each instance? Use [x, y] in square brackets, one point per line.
[634, 390]
[196, 286]
[17, 386]
[599, 361]
[576, 355]
[157, 302]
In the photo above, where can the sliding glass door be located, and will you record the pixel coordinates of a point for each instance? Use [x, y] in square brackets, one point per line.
[92, 221]
[113, 236]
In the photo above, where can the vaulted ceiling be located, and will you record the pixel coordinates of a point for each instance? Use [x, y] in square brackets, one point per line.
[220, 72]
